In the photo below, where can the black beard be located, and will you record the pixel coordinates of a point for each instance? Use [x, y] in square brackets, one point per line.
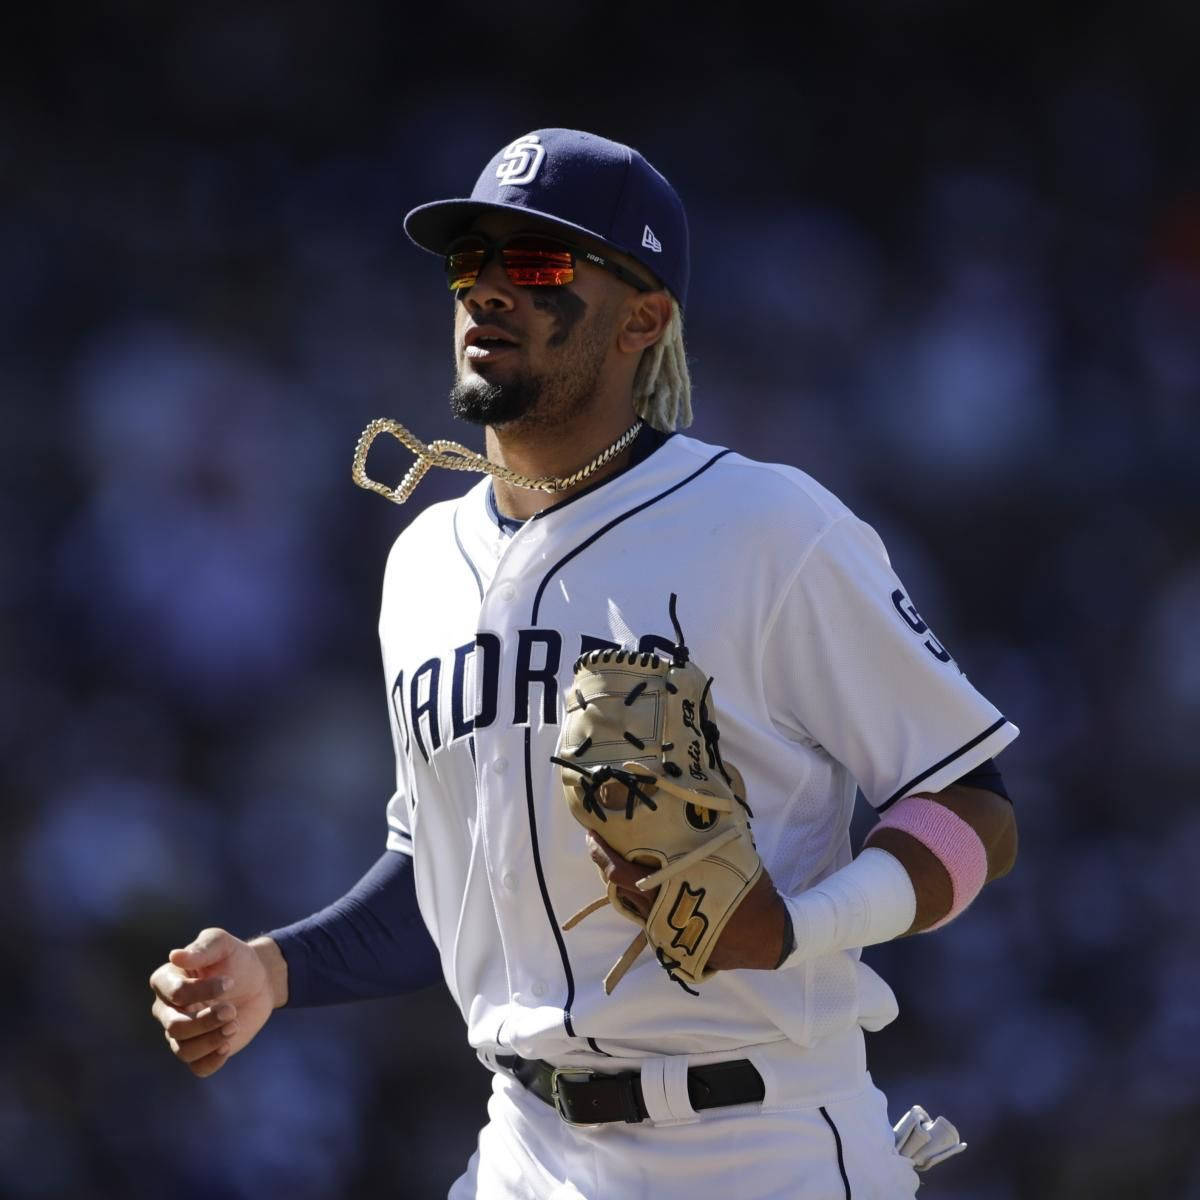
[484, 403]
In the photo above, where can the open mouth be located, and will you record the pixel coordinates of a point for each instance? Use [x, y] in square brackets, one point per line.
[489, 334]
[481, 348]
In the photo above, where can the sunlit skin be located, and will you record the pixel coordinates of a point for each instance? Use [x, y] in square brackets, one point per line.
[582, 341]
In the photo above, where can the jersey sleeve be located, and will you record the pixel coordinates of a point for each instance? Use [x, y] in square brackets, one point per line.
[399, 831]
[398, 835]
[850, 666]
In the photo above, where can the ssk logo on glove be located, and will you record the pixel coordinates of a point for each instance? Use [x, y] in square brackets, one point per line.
[687, 920]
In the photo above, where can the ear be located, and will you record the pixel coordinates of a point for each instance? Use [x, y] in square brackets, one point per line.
[645, 321]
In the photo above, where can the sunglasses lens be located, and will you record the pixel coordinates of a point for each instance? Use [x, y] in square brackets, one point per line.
[464, 261]
[528, 262]
[538, 262]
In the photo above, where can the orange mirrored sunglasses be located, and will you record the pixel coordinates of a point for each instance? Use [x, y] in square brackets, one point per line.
[529, 260]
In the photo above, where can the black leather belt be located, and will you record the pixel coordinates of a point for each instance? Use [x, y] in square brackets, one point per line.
[584, 1097]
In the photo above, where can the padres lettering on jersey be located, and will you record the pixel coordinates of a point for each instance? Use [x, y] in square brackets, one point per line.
[804, 608]
[535, 662]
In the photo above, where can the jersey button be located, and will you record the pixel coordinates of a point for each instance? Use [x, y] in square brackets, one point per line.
[500, 766]
[506, 591]
[539, 988]
[509, 880]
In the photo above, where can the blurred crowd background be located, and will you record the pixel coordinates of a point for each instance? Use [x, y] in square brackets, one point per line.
[946, 259]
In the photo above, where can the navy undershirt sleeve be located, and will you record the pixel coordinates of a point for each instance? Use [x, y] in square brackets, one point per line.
[372, 942]
[986, 776]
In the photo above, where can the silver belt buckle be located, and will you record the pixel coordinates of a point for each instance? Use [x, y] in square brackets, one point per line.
[572, 1075]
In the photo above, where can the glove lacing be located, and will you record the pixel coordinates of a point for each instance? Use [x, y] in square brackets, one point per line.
[592, 780]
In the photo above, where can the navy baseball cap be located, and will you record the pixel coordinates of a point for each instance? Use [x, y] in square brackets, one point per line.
[580, 182]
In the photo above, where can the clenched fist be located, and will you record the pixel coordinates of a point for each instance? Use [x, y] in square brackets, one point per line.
[212, 997]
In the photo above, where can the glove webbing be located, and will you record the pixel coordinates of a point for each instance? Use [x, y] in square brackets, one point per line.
[592, 780]
[708, 727]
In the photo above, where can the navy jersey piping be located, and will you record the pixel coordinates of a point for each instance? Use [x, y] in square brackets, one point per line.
[566, 558]
[647, 443]
[466, 556]
[937, 766]
[837, 1141]
[537, 859]
[541, 878]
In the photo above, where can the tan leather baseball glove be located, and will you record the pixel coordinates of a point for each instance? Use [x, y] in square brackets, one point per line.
[640, 765]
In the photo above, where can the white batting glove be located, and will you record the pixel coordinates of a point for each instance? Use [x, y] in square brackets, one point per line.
[927, 1142]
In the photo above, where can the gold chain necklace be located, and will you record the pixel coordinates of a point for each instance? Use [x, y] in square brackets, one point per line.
[456, 457]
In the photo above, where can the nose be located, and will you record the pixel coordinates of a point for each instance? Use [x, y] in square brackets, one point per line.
[491, 289]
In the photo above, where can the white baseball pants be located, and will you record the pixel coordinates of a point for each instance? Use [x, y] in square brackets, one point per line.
[842, 1149]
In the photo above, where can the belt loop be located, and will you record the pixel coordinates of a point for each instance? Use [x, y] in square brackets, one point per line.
[654, 1092]
[762, 1063]
[675, 1084]
[664, 1081]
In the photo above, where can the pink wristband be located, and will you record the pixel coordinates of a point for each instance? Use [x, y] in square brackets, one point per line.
[949, 839]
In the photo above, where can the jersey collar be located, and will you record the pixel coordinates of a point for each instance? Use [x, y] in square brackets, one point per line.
[645, 444]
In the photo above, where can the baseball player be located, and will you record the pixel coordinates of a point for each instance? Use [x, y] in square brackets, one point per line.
[601, 535]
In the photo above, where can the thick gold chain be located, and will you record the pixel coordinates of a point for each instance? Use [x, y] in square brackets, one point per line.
[456, 457]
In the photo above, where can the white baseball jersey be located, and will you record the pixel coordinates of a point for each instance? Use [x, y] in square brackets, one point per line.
[825, 677]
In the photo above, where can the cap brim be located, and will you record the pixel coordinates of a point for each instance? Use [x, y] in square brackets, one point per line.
[434, 226]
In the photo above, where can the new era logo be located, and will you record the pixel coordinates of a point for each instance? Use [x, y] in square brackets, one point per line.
[650, 241]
